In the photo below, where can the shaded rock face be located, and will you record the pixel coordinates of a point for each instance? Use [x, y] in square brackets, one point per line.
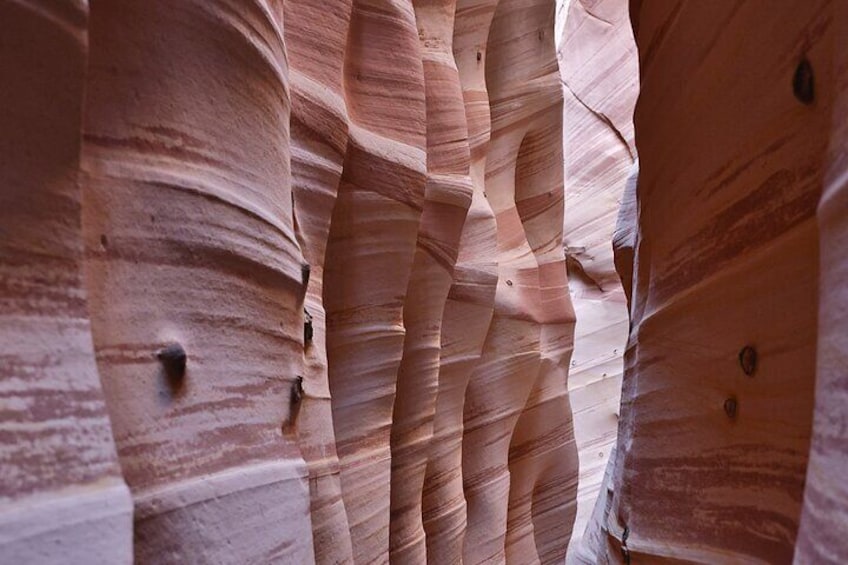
[823, 532]
[729, 310]
[284, 283]
[62, 498]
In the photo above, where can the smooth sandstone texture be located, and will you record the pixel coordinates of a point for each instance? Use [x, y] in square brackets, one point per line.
[447, 196]
[711, 459]
[587, 547]
[370, 255]
[62, 498]
[519, 459]
[294, 227]
[319, 137]
[469, 305]
[543, 455]
[599, 67]
[187, 219]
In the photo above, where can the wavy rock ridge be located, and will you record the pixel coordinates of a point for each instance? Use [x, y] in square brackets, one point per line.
[286, 281]
[314, 255]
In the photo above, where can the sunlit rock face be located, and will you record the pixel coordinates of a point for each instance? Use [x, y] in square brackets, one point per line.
[518, 434]
[599, 67]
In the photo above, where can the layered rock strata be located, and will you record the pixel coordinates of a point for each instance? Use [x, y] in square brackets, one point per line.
[470, 301]
[447, 197]
[518, 439]
[194, 273]
[370, 255]
[319, 138]
[732, 126]
[62, 498]
[599, 66]
[291, 273]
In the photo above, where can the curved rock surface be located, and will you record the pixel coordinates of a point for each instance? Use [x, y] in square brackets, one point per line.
[319, 138]
[599, 67]
[514, 449]
[62, 498]
[720, 368]
[370, 255]
[447, 197]
[190, 243]
[324, 270]
[470, 300]
[286, 281]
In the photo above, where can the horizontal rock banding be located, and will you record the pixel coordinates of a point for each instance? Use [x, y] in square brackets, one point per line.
[297, 242]
[62, 497]
[711, 460]
[190, 240]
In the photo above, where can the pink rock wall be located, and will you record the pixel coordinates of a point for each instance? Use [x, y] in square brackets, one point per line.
[319, 137]
[314, 259]
[62, 498]
[370, 255]
[188, 226]
[285, 281]
[447, 197]
[470, 301]
[514, 449]
[717, 401]
[599, 67]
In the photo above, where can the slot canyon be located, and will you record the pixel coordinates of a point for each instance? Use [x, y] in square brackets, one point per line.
[423, 281]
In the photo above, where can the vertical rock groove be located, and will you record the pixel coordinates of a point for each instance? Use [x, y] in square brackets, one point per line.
[370, 255]
[319, 137]
[543, 457]
[447, 196]
[521, 375]
[469, 304]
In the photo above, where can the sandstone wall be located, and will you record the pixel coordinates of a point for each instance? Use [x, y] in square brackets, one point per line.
[319, 138]
[286, 281]
[62, 497]
[293, 273]
[599, 67]
[732, 126]
[519, 434]
[470, 302]
[370, 254]
[824, 518]
[190, 243]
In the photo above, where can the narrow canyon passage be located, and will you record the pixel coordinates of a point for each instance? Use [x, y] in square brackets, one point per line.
[423, 281]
